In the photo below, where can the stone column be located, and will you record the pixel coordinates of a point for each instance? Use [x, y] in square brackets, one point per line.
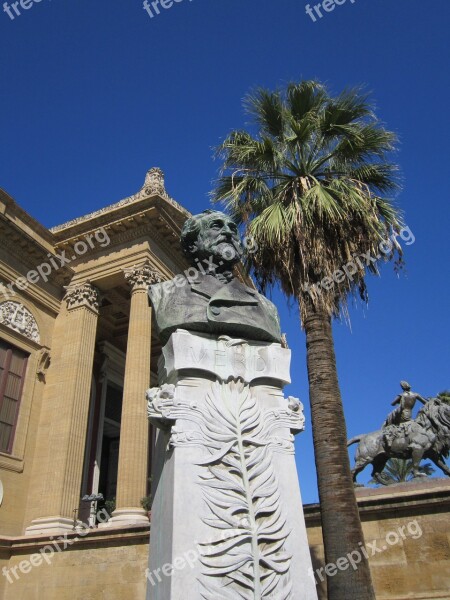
[133, 449]
[67, 433]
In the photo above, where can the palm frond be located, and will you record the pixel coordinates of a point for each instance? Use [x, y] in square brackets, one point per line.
[267, 109]
[313, 186]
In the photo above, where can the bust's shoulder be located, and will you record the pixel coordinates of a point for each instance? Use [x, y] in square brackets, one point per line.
[162, 293]
[156, 292]
[272, 311]
[267, 303]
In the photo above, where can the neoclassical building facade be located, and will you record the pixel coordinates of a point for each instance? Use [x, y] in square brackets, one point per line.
[76, 353]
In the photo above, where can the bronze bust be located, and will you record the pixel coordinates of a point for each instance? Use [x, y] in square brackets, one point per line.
[209, 298]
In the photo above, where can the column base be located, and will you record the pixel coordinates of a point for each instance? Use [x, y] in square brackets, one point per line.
[127, 516]
[51, 526]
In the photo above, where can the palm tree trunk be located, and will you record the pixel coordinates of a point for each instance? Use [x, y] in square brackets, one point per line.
[341, 525]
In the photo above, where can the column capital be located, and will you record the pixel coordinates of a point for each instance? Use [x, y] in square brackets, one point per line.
[82, 295]
[140, 277]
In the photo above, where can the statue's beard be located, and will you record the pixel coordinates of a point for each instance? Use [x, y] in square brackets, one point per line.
[224, 254]
[229, 252]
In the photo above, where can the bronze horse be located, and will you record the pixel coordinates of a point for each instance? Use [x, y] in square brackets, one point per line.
[425, 437]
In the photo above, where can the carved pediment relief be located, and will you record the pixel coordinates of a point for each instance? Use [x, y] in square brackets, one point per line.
[17, 317]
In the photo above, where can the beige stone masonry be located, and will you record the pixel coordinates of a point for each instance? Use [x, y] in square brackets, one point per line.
[416, 567]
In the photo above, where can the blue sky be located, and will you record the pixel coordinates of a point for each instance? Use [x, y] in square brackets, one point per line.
[95, 93]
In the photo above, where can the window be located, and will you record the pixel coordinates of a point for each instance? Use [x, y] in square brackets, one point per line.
[13, 364]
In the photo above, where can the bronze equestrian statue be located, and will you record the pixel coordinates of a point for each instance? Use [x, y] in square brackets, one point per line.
[425, 437]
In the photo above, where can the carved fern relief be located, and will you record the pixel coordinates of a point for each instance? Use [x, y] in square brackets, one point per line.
[248, 559]
[245, 557]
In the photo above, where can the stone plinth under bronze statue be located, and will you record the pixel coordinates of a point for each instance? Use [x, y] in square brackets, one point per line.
[227, 518]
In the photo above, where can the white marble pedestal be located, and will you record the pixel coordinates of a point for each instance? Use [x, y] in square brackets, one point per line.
[227, 517]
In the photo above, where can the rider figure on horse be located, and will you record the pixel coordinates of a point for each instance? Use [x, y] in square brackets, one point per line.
[407, 401]
[396, 423]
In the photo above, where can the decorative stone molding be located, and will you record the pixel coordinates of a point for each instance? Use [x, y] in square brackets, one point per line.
[43, 364]
[161, 404]
[18, 318]
[11, 463]
[82, 295]
[141, 277]
[164, 409]
[154, 182]
[247, 552]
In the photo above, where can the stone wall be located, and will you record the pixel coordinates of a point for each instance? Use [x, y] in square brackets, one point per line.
[104, 565]
[408, 524]
[407, 535]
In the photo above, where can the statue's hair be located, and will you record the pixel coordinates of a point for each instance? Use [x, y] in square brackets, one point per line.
[405, 385]
[192, 227]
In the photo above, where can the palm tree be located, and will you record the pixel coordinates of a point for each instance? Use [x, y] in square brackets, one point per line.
[399, 470]
[444, 396]
[309, 187]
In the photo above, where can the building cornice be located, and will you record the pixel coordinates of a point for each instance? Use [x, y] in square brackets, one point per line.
[22, 215]
[113, 536]
[404, 498]
[151, 221]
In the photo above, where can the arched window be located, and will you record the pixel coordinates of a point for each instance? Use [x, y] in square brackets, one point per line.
[13, 364]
